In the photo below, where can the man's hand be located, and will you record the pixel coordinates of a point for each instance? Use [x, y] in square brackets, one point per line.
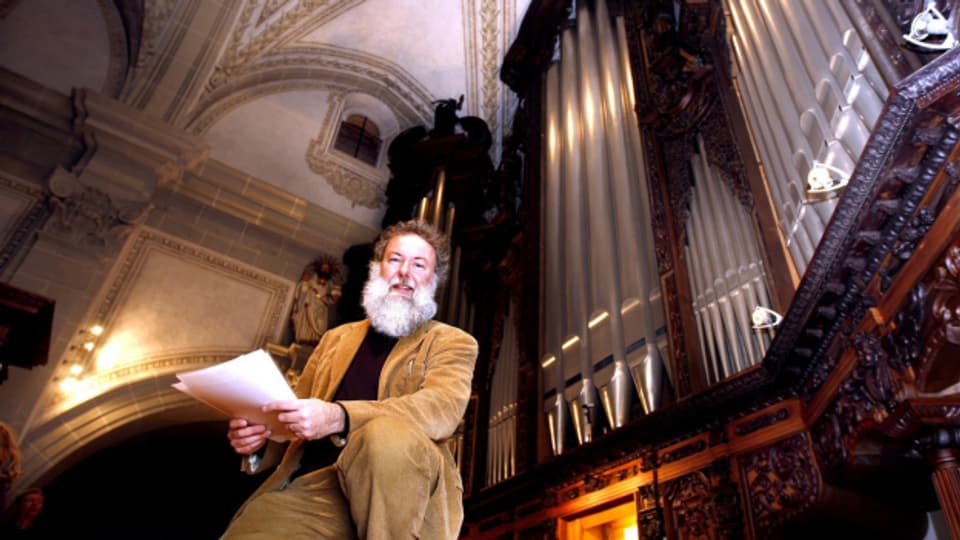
[245, 436]
[309, 419]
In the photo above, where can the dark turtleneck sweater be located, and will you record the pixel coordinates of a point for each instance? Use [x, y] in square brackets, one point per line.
[359, 383]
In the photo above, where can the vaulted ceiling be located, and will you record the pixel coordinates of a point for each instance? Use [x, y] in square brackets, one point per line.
[265, 83]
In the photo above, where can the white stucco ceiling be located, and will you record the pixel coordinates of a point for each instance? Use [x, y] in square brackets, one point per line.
[38, 37]
[259, 80]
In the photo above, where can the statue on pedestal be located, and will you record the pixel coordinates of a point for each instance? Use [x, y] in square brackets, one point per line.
[314, 307]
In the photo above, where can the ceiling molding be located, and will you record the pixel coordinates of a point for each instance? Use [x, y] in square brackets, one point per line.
[277, 23]
[322, 68]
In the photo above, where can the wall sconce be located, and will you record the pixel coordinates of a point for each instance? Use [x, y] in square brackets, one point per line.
[80, 350]
[765, 318]
[928, 23]
[824, 178]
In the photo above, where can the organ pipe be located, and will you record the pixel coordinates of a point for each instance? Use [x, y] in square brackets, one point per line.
[726, 274]
[811, 92]
[600, 282]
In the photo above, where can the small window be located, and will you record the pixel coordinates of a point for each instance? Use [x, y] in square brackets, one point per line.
[359, 137]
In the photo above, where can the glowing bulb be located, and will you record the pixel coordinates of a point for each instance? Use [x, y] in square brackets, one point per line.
[765, 318]
[88, 345]
[76, 369]
[824, 178]
[96, 329]
[69, 385]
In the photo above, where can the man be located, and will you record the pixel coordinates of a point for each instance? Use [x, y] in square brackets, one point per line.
[23, 516]
[366, 453]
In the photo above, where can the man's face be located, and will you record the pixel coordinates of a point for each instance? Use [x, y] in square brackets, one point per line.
[408, 264]
[398, 296]
[31, 505]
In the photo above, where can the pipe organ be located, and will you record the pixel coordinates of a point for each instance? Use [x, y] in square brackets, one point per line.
[812, 92]
[502, 426]
[792, 155]
[727, 274]
[601, 307]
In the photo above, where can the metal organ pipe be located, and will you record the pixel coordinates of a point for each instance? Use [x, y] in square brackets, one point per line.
[598, 180]
[727, 273]
[598, 258]
[647, 367]
[811, 92]
[554, 303]
[579, 276]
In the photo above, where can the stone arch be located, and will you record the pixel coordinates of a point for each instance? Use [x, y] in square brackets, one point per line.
[107, 419]
[316, 69]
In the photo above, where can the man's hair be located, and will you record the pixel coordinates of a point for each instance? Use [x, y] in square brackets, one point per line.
[9, 456]
[437, 240]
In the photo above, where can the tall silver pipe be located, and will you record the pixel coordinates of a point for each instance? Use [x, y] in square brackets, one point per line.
[741, 280]
[453, 286]
[701, 289]
[596, 181]
[578, 255]
[701, 222]
[723, 234]
[554, 265]
[436, 215]
[639, 231]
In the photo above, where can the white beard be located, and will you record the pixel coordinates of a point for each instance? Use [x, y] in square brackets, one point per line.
[394, 315]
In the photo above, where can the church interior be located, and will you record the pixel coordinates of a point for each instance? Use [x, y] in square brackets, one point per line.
[710, 250]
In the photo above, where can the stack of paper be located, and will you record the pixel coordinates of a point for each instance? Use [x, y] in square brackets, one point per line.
[239, 387]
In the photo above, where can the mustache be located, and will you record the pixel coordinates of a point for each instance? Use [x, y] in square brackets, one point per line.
[403, 282]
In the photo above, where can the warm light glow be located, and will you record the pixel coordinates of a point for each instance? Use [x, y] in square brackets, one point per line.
[630, 305]
[96, 330]
[548, 361]
[69, 385]
[108, 356]
[598, 319]
[570, 342]
[630, 533]
[76, 369]
[552, 139]
[589, 113]
[88, 345]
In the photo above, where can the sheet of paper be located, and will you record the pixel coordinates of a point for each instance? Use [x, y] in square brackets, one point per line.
[239, 387]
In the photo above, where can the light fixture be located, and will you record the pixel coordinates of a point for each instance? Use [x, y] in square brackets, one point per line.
[824, 178]
[929, 23]
[765, 318]
[78, 357]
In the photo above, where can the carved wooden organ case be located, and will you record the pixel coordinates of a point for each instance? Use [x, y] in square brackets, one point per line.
[849, 422]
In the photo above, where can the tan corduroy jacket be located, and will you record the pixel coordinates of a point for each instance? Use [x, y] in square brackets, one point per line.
[426, 380]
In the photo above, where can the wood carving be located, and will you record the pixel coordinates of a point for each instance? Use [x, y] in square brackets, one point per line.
[778, 481]
[691, 507]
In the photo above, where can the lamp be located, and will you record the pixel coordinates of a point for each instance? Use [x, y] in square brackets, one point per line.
[765, 318]
[930, 22]
[824, 178]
